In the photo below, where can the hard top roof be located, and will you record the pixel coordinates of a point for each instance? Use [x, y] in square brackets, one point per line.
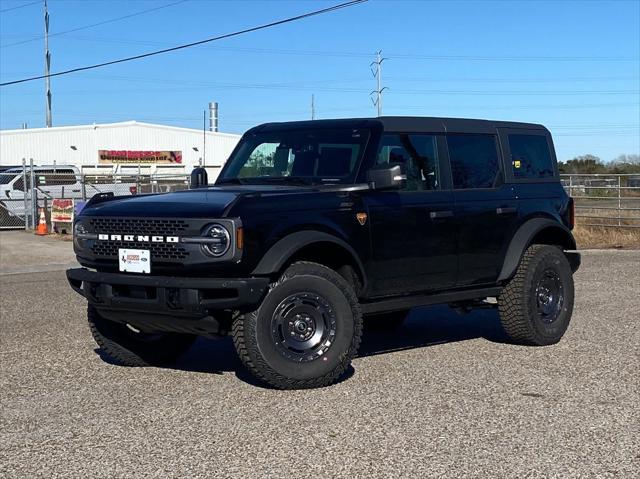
[403, 123]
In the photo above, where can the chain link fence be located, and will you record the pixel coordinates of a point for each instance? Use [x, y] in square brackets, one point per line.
[21, 204]
[603, 200]
[611, 201]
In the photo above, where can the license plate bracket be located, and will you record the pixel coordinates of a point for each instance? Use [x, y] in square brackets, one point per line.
[134, 260]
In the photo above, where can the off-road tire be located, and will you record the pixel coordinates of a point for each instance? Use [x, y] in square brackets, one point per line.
[121, 345]
[253, 334]
[517, 302]
[387, 322]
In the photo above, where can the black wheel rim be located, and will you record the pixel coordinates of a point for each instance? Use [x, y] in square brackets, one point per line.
[549, 294]
[303, 327]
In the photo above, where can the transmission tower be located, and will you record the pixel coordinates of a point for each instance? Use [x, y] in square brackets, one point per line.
[47, 64]
[376, 70]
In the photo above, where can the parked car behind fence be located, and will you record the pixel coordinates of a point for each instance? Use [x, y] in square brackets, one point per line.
[19, 202]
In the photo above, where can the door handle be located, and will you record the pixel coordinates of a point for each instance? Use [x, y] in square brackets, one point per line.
[440, 214]
[506, 210]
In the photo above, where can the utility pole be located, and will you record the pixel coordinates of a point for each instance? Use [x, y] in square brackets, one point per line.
[313, 107]
[47, 64]
[204, 135]
[377, 74]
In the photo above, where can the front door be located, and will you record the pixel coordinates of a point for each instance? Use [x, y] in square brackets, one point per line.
[412, 229]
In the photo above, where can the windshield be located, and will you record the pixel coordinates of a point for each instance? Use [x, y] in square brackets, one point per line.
[297, 156]
[6, 178]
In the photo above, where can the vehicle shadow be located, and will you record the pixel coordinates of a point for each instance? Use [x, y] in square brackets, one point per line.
[424, 327]
[433, 325]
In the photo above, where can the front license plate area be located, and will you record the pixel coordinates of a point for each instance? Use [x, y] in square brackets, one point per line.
[134, 260]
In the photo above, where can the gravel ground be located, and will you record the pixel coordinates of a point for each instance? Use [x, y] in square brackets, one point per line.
[443, 397]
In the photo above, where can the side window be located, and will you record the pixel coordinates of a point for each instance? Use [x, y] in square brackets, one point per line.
[474, 161]
[417, 156]
[530, 156]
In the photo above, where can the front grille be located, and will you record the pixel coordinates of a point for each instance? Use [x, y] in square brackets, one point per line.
[166, 227]
[139, 226]
[159, 251]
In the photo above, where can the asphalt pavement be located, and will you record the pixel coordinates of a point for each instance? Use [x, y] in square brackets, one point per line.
[444, 397]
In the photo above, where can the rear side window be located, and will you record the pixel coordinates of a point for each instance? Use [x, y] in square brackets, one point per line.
[474, 161]
[530, 156]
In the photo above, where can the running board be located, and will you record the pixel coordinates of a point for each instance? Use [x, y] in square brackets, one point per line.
[413, 301]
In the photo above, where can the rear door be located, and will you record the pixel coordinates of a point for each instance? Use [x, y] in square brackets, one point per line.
[531, 168]
[412, 229]
[486, 209]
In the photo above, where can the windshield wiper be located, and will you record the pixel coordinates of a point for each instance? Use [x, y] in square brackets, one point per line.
[230, 181]
[291, 180]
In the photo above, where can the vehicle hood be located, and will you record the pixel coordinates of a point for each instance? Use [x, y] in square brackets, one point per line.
[211, 202]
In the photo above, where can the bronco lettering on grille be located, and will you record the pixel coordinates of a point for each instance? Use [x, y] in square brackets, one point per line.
[139, 238]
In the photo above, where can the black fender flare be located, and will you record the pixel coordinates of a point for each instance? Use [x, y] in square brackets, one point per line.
[522, 239]
[276, 257]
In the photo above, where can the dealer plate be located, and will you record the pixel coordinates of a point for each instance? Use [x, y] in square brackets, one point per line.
[134, 260]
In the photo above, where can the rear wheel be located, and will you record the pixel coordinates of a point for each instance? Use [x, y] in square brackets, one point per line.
[536, 305]
[130, 346]
[305, 332]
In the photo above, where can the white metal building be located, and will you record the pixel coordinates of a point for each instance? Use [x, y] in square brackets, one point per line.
[119, 147]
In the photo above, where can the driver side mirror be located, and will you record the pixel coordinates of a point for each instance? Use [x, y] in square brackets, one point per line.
[387, 178]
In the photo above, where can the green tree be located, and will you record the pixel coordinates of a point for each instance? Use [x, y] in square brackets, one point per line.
[588, 164]
[625, 164]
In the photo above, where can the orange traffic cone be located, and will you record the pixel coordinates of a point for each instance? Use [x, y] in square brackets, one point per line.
[42, 229]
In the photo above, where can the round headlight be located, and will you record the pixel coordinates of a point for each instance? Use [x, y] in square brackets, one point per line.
[219, 240]
[79, 229]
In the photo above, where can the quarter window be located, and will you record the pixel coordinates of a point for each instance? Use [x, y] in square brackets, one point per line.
[530, 156]
[474, 161]
[417, 156]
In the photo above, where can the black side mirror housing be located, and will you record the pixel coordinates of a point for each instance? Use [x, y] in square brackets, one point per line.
[199, 178]
[387, 178]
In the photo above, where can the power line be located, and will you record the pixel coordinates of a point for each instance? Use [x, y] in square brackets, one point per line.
[111, 20]
[513, 80]
[193, 44]
[395, 56]
[311, 88]
[19, 6]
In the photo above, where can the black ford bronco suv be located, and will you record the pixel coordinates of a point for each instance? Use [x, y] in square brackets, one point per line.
[313, 225]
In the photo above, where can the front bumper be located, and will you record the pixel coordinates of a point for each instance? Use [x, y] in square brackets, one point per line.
[165, 303]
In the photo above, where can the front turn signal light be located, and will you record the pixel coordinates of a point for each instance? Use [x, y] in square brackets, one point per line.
[239, 238]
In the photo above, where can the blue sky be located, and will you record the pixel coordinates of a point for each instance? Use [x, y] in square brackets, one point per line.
[571, 65]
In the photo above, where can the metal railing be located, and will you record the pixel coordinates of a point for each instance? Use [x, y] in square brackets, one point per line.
[605, 200]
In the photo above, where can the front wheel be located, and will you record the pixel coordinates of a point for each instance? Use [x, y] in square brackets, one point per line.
[306, 331]
[129, 346]
[536, 305]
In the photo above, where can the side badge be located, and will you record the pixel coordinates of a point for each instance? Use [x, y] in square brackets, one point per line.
[362, 218]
